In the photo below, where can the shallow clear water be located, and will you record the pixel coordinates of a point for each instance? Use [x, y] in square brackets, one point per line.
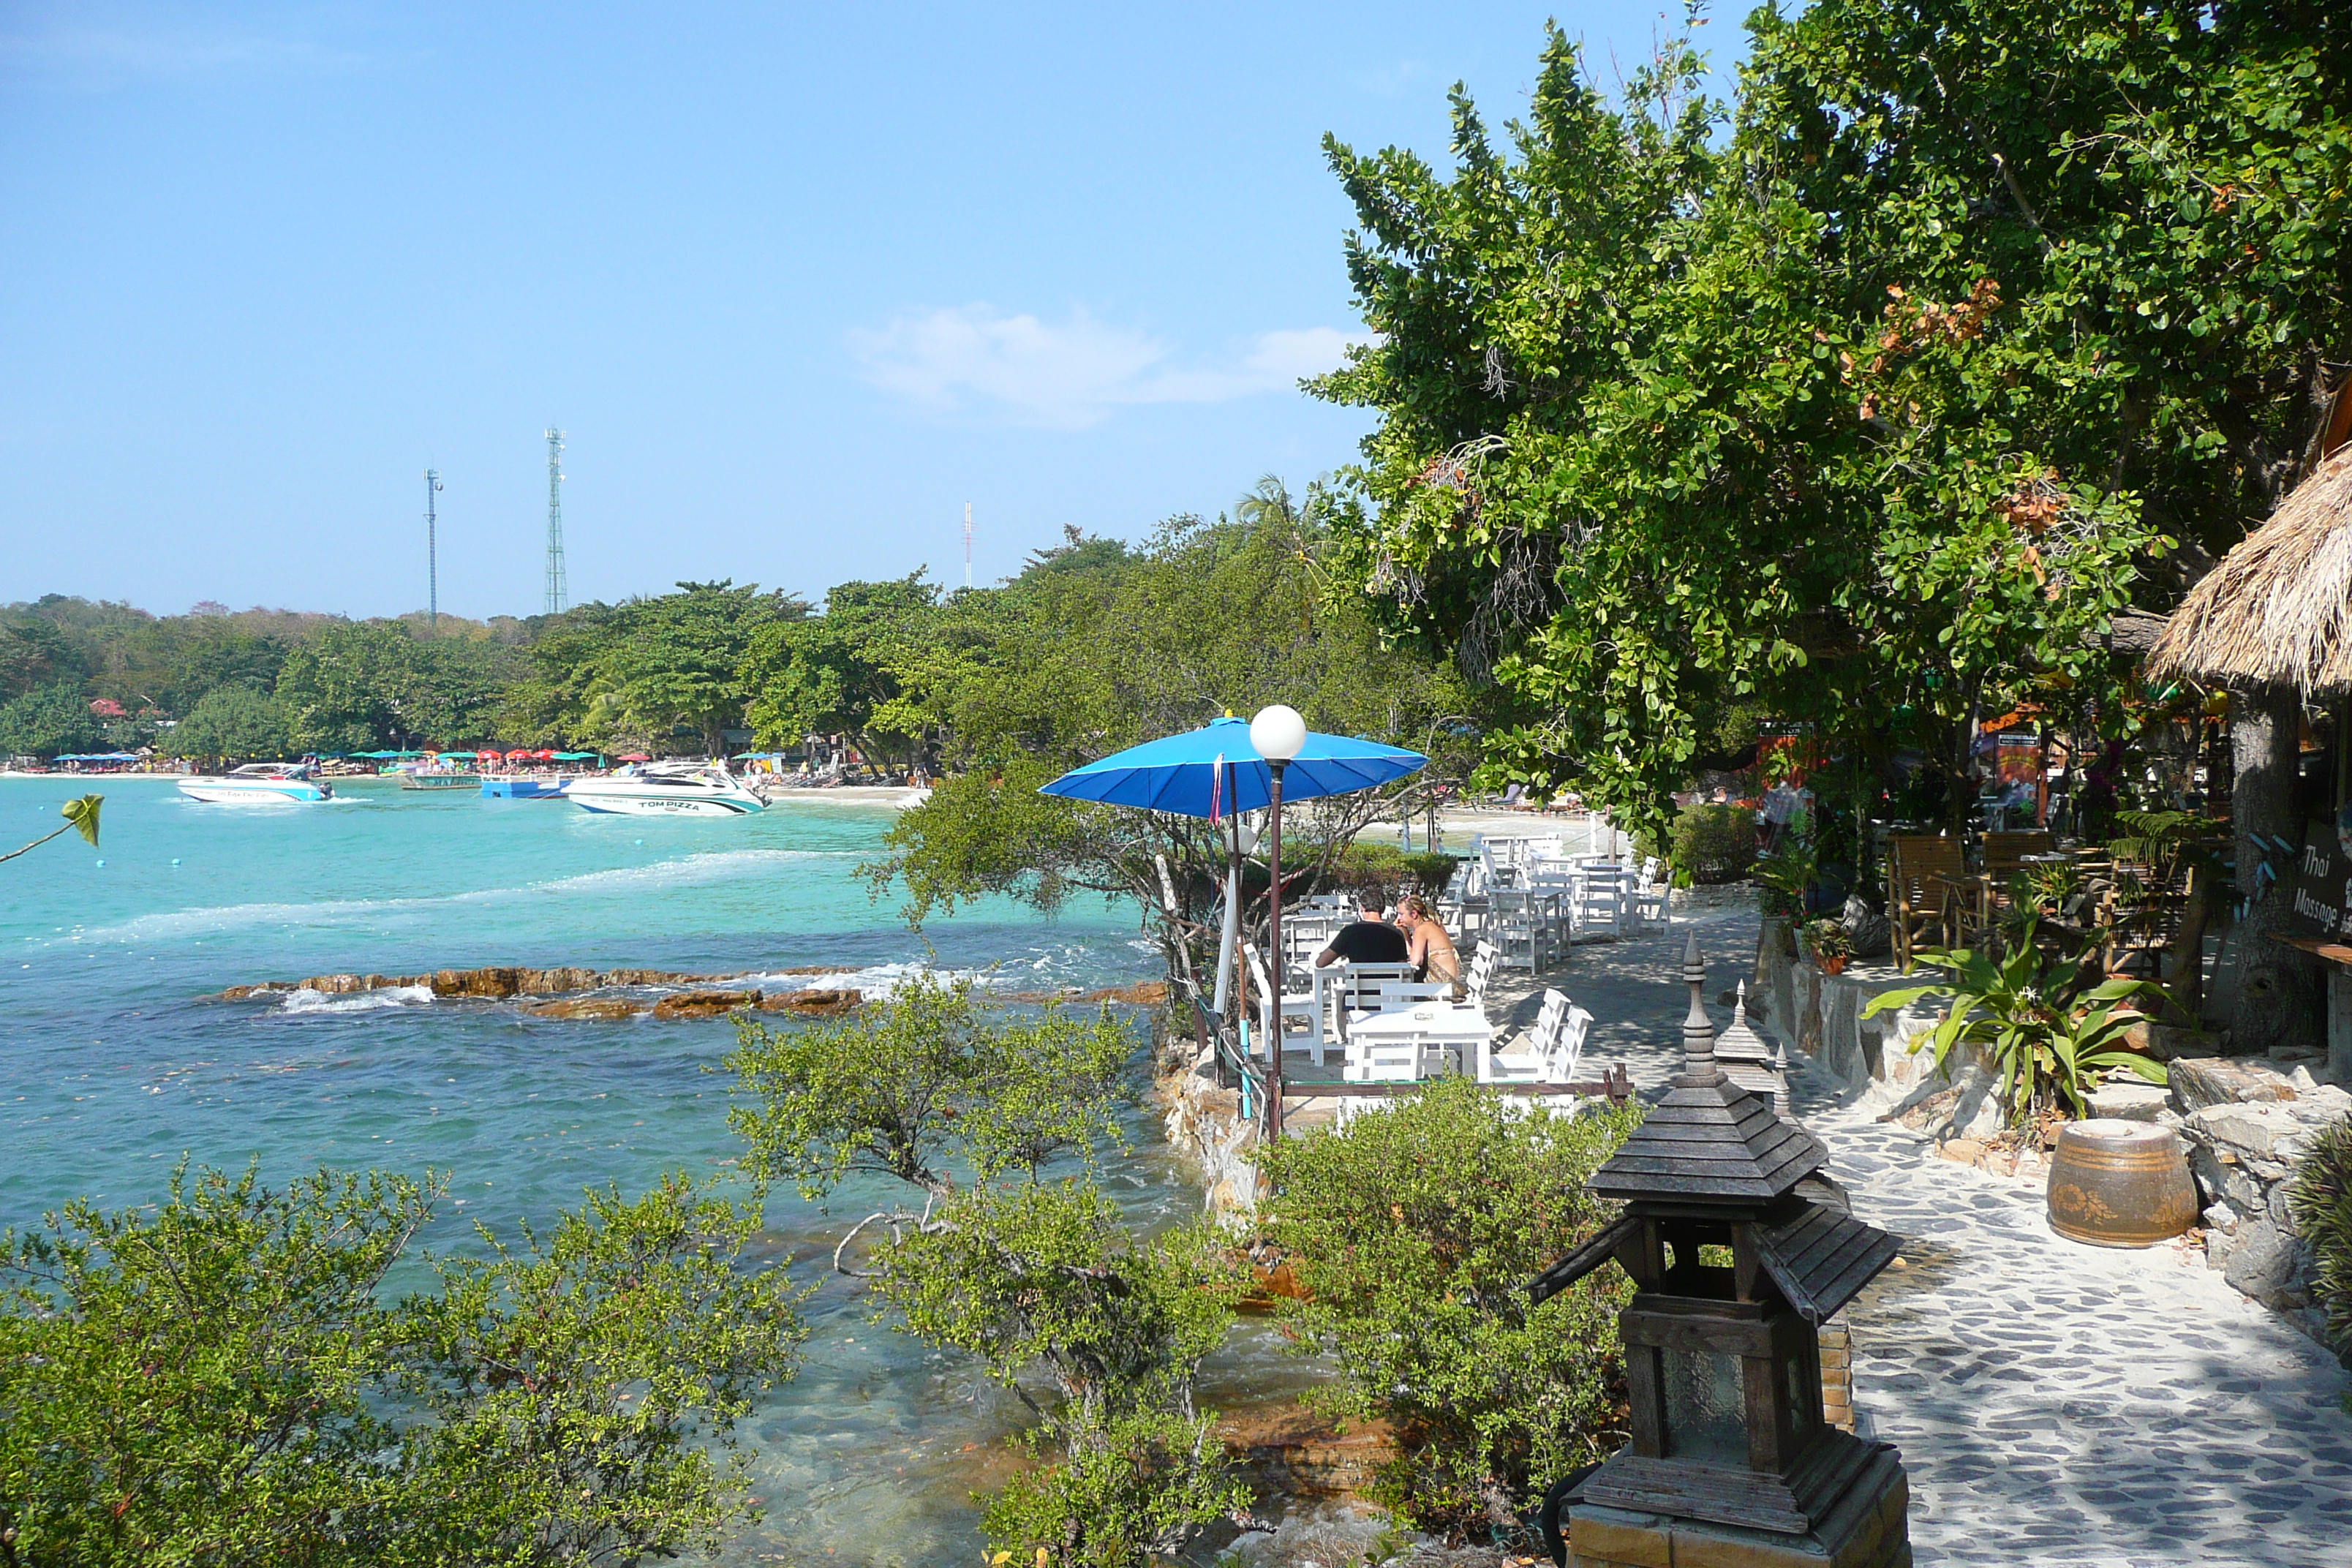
[112, 1065]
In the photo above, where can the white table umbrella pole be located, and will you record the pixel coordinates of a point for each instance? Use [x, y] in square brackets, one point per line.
[1231, 939]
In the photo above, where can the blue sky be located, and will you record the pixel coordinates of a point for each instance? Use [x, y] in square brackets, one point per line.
[797, 282]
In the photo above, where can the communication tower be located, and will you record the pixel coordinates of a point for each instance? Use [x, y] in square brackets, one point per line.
[967, 544]
[432, 550]
[556, 592]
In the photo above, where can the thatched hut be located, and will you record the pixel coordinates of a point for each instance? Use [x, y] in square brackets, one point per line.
[2273, 623]
[2277, 611]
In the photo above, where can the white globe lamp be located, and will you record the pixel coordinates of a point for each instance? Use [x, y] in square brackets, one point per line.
[1279, 733]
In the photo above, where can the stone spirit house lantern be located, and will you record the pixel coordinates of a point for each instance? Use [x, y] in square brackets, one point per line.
[1734, 1268]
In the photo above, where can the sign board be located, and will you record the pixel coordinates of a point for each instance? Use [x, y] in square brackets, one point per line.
[2320, 883]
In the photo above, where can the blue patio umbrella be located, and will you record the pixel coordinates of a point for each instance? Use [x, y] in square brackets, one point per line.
[1214, 772]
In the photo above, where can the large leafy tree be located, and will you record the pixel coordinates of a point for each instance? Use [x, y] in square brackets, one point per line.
[675, 662]
[1079, 658]
[367, 684]
[846, 672]
[1874, 414]
[233, 723]
[48, 720]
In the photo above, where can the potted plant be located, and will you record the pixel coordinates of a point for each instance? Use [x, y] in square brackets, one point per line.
[2047, 1035]
[1830, 944]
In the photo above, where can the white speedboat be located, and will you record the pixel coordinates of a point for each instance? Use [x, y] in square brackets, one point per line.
[668, 789]
[261, 784]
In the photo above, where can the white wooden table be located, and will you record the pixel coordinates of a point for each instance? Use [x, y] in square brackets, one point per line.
[1453, 1027]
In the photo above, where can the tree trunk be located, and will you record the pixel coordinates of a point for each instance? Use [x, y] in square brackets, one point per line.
[2280, 991]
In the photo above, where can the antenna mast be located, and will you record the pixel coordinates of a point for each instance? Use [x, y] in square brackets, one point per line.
[432, 550]
[967, 544]
[555, 585]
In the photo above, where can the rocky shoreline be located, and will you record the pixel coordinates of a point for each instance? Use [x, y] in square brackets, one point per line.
[568, 992]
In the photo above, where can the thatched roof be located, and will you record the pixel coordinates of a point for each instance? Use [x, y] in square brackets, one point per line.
[2277, 611]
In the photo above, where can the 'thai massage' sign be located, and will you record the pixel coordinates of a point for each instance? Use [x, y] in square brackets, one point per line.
[2321, 882]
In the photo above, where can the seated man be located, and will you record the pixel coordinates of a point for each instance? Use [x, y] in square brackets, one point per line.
[1366, 940]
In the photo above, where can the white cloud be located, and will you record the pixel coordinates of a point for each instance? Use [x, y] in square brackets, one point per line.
[103, 57]
[1072, 374]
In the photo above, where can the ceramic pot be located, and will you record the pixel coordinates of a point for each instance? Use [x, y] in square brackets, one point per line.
[2120, 1184]
[1832, 962]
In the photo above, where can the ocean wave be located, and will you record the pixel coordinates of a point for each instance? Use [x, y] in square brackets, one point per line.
[308, 1001]
[689, 871]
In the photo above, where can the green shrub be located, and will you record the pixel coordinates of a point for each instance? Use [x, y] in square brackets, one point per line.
[1391, 872]
[1414, 1233]
[218, 1379]
[1713, 844]
[2322, 1203]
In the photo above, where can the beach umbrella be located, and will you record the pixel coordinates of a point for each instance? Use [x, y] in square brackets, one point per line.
[634, 757]
[1216, 771]
[1231, 765]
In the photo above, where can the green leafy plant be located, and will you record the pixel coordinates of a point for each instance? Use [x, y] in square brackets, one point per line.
[2047, 1038]
[1412, 1233]
[2321, 1201]
[1828, 938]
[218, 1379]
[1786, 876]
[1033, 1273]
[81, 816]
[1713, 844]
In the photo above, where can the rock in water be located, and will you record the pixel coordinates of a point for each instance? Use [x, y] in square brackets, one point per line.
[587, 1007]
[704, 1003]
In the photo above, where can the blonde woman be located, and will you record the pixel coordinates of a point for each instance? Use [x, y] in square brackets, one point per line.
[1430, 950]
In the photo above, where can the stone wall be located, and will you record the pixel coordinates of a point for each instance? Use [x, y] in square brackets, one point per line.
[1820, 1015]
[2246, 1124]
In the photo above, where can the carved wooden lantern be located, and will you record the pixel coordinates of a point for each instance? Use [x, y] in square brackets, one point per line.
[1734, 1268]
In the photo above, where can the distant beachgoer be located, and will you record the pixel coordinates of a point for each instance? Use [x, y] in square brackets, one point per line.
[1428, 947]
[1367, 939]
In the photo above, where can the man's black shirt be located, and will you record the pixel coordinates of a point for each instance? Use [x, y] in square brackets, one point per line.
[1370, 942]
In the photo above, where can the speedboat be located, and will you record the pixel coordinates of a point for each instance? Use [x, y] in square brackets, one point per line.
[261, 784]
[669, 789]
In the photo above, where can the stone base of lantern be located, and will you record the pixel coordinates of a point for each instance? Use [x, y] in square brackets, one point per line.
[1868, 1526]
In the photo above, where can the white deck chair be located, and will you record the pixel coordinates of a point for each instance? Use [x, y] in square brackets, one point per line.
[1480, 971]
[1601, 900]
[1294, 1004]
[1654, 908]
[1550, 1052]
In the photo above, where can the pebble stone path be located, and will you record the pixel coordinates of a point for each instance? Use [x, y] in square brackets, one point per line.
[2055, 1404]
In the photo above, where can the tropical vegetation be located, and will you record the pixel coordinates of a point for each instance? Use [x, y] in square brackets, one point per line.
[1412, 1233]
[1016, 1255]
[2049, 1035]
[220, 1377]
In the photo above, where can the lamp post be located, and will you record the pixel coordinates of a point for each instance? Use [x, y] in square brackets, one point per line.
[1276, 734]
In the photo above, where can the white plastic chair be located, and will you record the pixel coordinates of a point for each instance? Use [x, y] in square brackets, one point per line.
[1652, 899]
[1521, 928]
[1293, 1004]
[1356, 992]
[1601, 900]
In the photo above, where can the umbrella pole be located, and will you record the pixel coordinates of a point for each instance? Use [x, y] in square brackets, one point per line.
[1273, 948]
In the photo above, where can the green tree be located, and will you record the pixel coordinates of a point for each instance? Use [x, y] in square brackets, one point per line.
[1873, 415]
[232, 723]
[1034, 1275]
[844, 671]
[48, 722]
[1414, 1233]
[676, 661]
[359, 686]
[1075, 659]
[219, 1379]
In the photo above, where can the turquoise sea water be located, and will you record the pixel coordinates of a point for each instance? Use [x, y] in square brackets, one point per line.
[113, 1066]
